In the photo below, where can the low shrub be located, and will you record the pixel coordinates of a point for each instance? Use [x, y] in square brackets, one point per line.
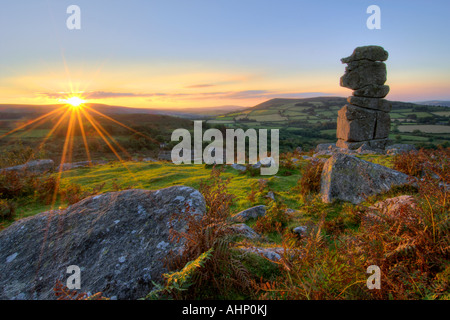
[311, 175]
[7, 210]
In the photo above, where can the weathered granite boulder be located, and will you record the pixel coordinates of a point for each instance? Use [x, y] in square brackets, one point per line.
[251, 213]
[324, 147]
[35, 166]
[239, 167]
[362, 73]
[370, 103]
[245, 231]
[356, 124]
[118, 239]
[372, 53]
[348, 178]
[399, 148]
[375, 145]
[271, 253]
[165, 155]
[372, 91]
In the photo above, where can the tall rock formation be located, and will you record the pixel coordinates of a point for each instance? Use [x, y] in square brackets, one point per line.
[365, 119]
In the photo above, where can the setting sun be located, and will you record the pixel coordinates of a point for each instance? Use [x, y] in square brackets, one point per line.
[74, 101]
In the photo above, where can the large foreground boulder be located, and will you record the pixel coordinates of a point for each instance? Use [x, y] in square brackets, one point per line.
[119, 241]
[348, 178]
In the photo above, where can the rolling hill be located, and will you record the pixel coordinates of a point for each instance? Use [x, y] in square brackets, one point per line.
[309, 121]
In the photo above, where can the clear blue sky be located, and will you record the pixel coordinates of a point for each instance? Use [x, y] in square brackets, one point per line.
[210, 52]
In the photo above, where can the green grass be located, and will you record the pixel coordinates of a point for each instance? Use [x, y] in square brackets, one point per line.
[425, 128]
[153, 176]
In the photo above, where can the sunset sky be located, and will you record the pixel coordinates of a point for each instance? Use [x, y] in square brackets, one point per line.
[206, 53]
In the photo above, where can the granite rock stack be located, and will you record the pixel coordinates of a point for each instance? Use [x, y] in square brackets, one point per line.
[365, 120]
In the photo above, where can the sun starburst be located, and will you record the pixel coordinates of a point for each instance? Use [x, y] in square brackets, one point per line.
[74, 101]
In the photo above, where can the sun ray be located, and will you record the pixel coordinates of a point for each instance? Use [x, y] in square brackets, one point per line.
[106, 133]
[30, 123]
[121, 124]
[83, 135]
[63, 158]
[93, 123]
[49, 134]
[88, 117]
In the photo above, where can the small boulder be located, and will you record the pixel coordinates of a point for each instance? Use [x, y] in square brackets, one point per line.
[35, 166]
[271, 253]
[251, 213]
[245, 231]
[239, 167]
[348, 178]
[325, 147]
[399, 148]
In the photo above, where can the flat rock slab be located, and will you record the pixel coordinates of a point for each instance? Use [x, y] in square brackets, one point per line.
[118, 239]
[372, 53]
[35, 166]
[348, 178]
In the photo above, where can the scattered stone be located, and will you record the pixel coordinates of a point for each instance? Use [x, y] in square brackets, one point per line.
[301, 230]
[81, 164]
[244, 230]
[118, 259]
[348, 178]
[271, 195]
[239, 167]
[271, 253]
[35, 166]
[149, 159]
[399, 148]
[251, 213]
[324, 147]
[165, 155]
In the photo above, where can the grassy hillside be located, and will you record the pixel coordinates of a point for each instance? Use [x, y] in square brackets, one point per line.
[307, 122]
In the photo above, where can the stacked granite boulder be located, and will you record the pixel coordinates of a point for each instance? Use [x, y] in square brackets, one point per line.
[365, 121]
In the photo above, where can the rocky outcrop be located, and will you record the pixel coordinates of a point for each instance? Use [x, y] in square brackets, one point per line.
[244, 230]
[365, 120]
[119, 240]
[348, 178]
[35, 166]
